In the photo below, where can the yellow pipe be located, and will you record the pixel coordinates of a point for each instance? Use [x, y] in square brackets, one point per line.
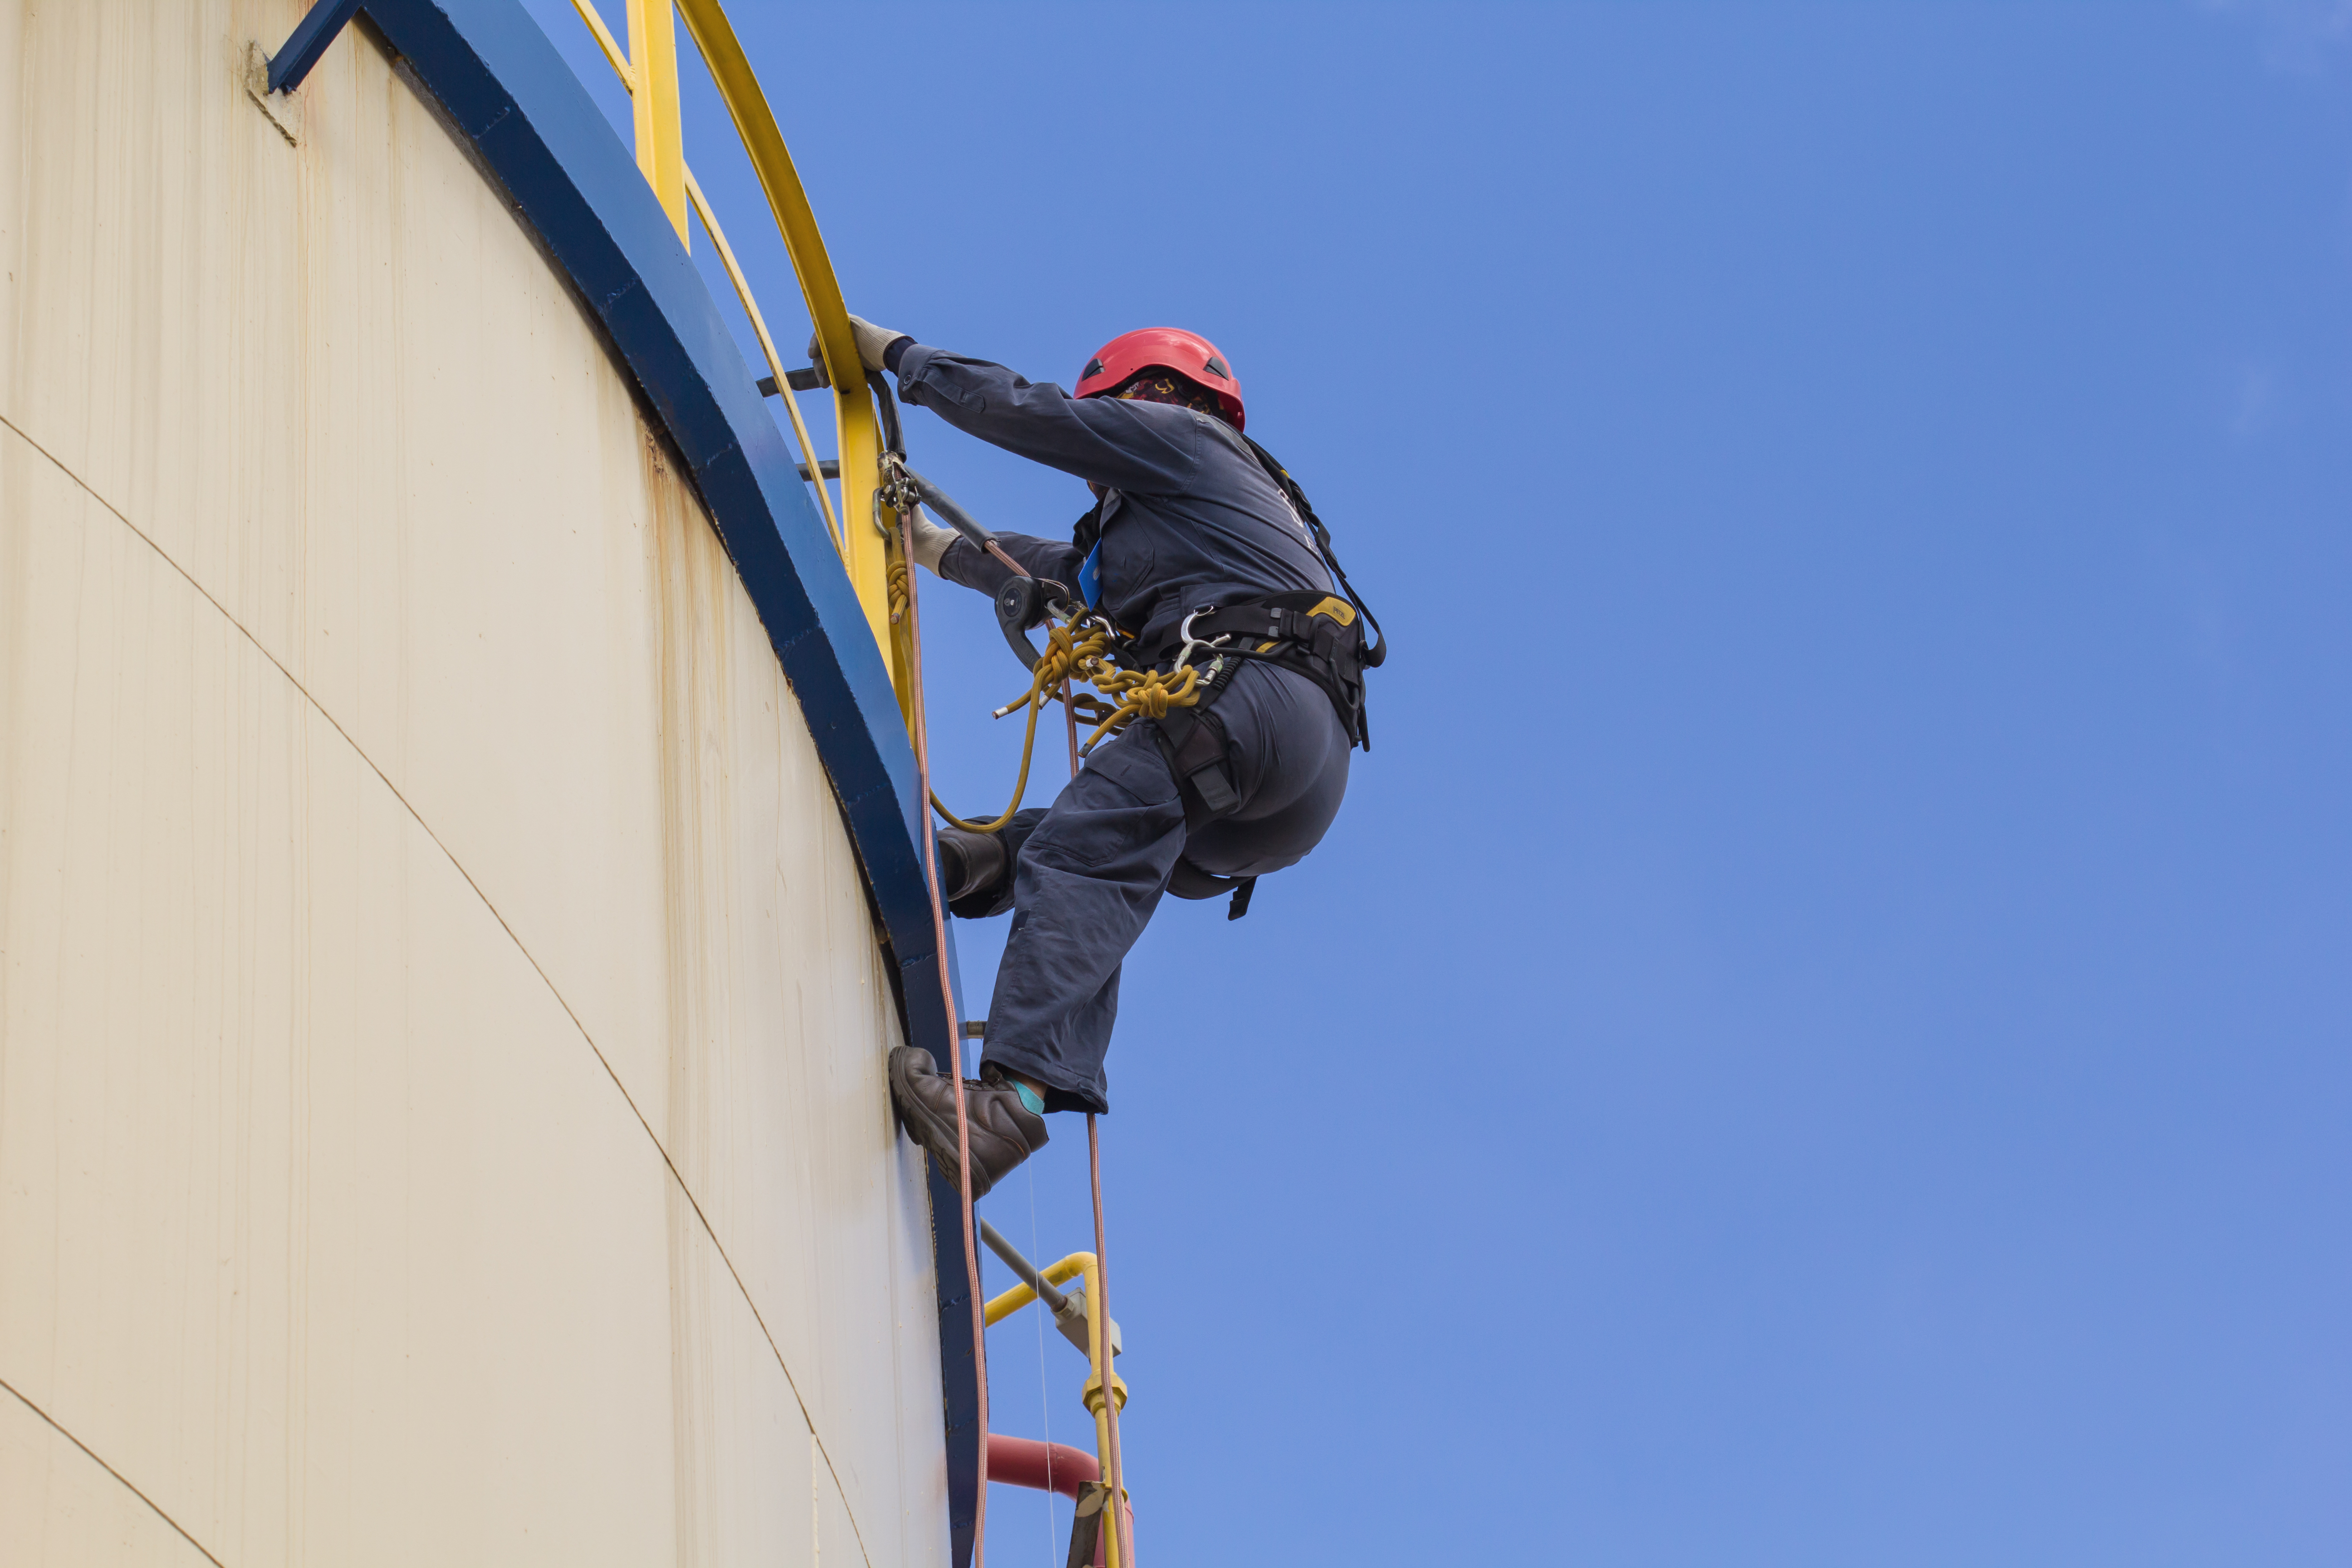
[864, 546]
[1098, 1327]
[1020, 1295]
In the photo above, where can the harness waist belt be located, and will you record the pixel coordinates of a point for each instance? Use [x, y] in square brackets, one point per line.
[1319, 635]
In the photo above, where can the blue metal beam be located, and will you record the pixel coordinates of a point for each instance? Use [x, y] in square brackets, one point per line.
[308, 41]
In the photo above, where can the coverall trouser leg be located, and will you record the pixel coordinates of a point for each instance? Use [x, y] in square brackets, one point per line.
[1090, 874]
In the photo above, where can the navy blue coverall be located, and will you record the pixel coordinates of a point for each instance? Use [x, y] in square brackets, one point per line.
[1190, 520]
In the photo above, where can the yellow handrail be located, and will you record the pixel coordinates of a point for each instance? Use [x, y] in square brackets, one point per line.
[767, 347]
[605, 41]
[866, 551]
[866, 548]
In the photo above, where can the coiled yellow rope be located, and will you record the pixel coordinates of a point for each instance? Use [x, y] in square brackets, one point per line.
[1133, 693]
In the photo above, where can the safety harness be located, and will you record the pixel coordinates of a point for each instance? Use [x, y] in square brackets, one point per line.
[1313, 634]
[1319, 635]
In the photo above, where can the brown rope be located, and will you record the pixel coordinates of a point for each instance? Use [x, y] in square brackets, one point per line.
[1118, 1501]
[955, 1039]
[1138, 693]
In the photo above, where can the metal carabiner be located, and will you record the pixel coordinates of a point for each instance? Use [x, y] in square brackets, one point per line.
[1185, 633]
[892, 490]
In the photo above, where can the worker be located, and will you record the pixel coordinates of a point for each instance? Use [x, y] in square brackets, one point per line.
[1194, 530]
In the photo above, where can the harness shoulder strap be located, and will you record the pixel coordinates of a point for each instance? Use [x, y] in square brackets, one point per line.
[1375, 653]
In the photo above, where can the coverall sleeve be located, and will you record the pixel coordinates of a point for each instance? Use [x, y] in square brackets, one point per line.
[1146, 448]
[967, 564]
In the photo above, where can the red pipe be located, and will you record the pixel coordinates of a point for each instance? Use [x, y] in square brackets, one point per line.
[1045, 1467]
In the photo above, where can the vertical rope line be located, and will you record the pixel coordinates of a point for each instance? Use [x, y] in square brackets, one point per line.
[1117, 1498]
[1118, 1501]
[955, 1043]
[1044, 1397]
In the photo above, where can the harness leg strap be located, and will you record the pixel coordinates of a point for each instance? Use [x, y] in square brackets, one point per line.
[1193, 741]
[1189, 881]
[1194, 745]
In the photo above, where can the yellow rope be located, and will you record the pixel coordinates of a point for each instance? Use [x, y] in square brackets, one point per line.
[1020, 784]
[894, 582]
[1134, 693]
[1142, 692]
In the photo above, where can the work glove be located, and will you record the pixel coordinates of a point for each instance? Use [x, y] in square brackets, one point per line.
[931, 542]
[871, 341]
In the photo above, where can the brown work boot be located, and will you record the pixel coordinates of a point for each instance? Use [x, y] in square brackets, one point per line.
[1003, 1131]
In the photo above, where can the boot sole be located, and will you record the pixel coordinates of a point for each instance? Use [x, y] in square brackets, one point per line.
[934, 1136]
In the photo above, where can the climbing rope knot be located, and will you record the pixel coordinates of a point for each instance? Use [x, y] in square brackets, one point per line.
[1143, 694]
[1078, 649]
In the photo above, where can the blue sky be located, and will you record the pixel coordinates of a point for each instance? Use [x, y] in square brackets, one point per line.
[1820, 1038]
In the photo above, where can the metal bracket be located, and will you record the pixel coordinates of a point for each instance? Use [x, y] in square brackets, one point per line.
[1074, 1319]
[1070, 1308]
[808, 378]
[284, 112]
[308, 41]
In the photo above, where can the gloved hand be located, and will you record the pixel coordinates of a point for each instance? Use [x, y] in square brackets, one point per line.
[871, 341]
[931, 542]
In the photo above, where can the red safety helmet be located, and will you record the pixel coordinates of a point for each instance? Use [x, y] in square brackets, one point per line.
[1189, 354]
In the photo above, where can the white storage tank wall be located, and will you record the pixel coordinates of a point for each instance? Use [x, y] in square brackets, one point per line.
[441, 1023]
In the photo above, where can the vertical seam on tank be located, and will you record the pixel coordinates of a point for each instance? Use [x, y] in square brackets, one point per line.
[357, 750]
